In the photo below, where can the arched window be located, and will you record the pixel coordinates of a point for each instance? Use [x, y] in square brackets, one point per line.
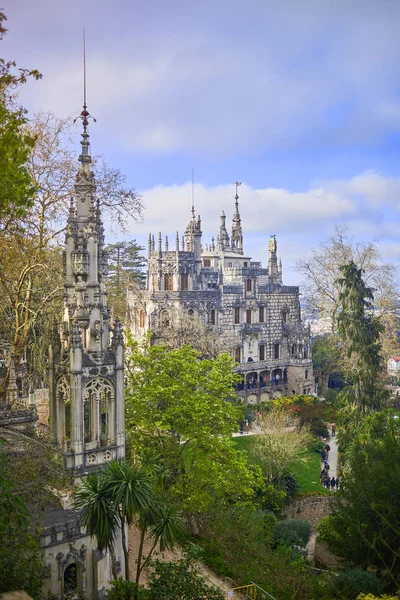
[99, 423]
[168, 282]
[248, 285]
[306, 374]
[248, 315]
[190, 312]
[238, 354]
[285, 316]
[164, 318]
[184, 281]
[212, 317]
[141, 318]
[70, 579]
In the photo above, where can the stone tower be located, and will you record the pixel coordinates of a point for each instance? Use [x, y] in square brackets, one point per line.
[237, 234]
[87, 355]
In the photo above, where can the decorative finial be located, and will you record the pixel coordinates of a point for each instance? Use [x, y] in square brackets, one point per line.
[193, 193]
[237, 183]
[85, 115]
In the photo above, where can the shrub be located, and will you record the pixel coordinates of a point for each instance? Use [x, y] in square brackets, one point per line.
[288, 483]
[372, 597]
[349, 583]
[122, 589]
[296, 532]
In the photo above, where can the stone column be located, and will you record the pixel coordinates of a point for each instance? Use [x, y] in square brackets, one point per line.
[77, 441]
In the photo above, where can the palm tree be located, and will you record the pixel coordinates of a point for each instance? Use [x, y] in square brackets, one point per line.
[98, 512]
[129, 488]
[159, 523]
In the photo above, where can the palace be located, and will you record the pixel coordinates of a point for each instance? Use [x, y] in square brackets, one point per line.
[238, 299]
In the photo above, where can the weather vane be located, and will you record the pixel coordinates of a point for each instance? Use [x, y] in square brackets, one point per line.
[84, 116]
[237, 183]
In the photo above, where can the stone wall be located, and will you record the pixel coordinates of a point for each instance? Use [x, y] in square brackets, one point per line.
[311, 508]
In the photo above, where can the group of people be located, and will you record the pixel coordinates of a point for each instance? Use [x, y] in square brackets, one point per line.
[330, 483]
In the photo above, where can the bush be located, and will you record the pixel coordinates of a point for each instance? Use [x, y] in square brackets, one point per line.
[372, 597]
[288, 483]
[296, 532]
[349, 583]
[122, 589]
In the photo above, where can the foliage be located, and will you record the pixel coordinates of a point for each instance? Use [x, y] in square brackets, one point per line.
[178, 405]
[328, 358]
[321, 289]
[277, 448]
[16, 185]
[360, 332]
[185, 329]
[125, 271]
[349, 583]
[179, 579]
[366, 517]
[237, 543]
[21, 558]
[372, 597]
[123, 589]
[31, 278]
[296, 532]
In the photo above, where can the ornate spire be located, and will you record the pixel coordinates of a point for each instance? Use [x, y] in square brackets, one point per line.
[237, 234]
[223, 237]
[84, 157]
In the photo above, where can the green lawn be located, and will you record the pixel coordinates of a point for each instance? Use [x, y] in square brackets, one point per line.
[306, 471]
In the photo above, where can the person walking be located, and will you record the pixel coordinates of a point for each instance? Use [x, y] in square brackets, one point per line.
[333, 483]
[337, 483]
[333, 426]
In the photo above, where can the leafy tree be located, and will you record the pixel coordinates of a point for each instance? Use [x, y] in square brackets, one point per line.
[179, 579]
[350, 582]
[327, 355]
[31, 278]
[293, 531]
[277, 449]
[360, 332]
[110, 500]
[125, 273]
[320, 275]
[365, 525]
[179, 406]
[16, 186]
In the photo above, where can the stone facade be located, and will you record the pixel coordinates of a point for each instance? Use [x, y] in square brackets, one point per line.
[86, 392]
[241, 301]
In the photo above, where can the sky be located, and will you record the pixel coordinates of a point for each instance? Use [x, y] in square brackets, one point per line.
[299, 100]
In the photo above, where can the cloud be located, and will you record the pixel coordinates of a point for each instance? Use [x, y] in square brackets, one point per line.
[223, 78]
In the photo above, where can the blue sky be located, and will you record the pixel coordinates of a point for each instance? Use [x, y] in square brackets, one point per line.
[299, 100]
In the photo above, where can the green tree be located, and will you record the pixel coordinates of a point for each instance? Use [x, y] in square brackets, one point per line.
[360, 331]
[16, 186]
[179, 579]
[365, 525]
[125, 273]
[179, 406]
[327, 356]
[110, 500]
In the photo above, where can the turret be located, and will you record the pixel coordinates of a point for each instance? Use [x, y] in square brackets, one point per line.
[237, 234]
[223, 237]
[273, 270]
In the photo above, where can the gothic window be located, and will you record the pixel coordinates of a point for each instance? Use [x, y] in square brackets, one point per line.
[190, 312]
[98, 404]
[212, 317]
[141, 318]
[184, 281]
[277, 348]
[293, 349]
[306, 374]
[70, 579]
[248, 315]
[237, 315]
[262, 352]
[164, 318]
[261, 314]
[248, 285]
[285, 316]
[238, 354]
[207, 263]
[168, 282]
